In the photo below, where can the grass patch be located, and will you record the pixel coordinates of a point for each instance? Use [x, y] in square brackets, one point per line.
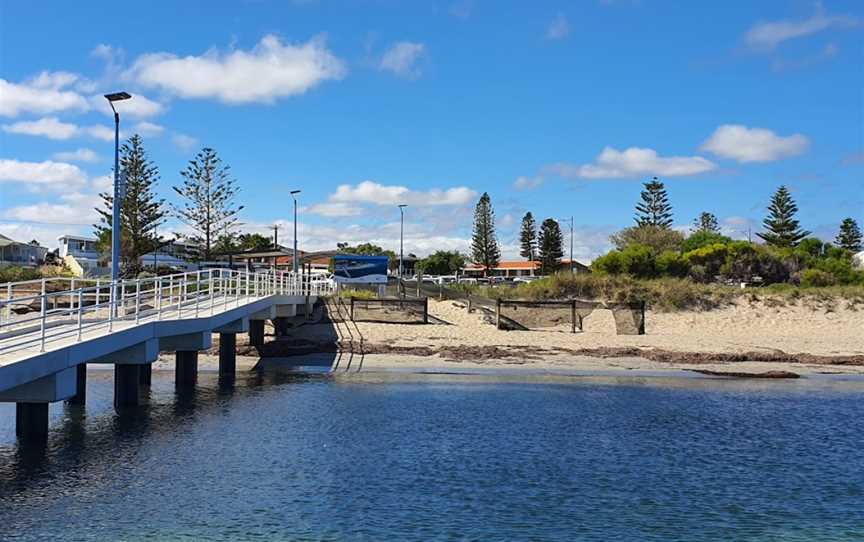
[671, 294]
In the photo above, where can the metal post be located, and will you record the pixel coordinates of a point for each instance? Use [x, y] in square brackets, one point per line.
[137, 301]
[111, 303]
[80, 311]
[572, 316]
[9, 302]
[294, 261]
[212, 291]
[197, 291]
[98, 287]
[401, 237]
[44, 308]
[158, 298]
[115, 204]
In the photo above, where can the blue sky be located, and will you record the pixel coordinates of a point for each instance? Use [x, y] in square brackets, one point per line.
[560, 108]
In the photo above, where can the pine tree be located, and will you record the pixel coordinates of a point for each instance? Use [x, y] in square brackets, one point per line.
[781, 228]
[849, 236]
[484, 244]
[551, 246]
[208, 208]
[654, 209]
[706, 223]
[140, 212]
[528, 238]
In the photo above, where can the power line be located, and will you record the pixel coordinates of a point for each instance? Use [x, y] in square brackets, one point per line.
[4, 221]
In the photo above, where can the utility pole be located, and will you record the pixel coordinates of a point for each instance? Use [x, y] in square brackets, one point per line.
[294, 261]
[275, 244]
[570, 220]
[401, 236]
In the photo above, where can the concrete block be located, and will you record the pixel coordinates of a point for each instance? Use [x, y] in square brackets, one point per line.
[141, 353]
[190, 341]
[55, 387]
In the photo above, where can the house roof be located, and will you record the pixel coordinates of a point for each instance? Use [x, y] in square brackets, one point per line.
[519, 265]
[77, 238]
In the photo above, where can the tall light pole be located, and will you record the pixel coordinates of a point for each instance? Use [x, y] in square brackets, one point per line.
[401, 236]
[115, 217]
[570, 220]
[294, 262]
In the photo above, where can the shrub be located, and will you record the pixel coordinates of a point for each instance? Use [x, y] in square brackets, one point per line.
[672, 264]
[707, 262]
[701, 239]
[639, 261]
[609, 263]
[816, 278]
[655, 237]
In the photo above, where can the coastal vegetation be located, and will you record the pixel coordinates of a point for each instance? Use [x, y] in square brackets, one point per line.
[789, 255]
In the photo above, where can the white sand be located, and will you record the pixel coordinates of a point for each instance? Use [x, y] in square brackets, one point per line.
[742, 327]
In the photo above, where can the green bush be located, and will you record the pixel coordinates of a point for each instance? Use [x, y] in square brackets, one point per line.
[706, 262]
[609, 263]
[639, 261]
[672, 264]
[817, 278]
[701, 239]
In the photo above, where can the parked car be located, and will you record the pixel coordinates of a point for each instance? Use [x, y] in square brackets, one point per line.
[524, 279]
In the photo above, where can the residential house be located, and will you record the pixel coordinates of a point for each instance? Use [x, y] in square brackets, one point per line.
[518, 268]
[12, 252]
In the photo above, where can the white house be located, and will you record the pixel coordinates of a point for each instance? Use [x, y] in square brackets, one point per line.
[80, 255]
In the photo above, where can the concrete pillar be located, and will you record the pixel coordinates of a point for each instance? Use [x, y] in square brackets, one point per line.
[227, 354]
[186, 368]
[80, 396]
[31, 421]
[146, 375]
[280, 325]
[127, 378]
[256, 332]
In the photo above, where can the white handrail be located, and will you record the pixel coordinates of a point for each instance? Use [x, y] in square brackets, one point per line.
[76, 311]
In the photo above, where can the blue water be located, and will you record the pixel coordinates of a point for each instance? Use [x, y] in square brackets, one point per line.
[286, 457]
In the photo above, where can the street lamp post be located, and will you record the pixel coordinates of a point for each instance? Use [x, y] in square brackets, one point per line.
[115, 217]
[570, 220]
[401, 237]
[294, 264]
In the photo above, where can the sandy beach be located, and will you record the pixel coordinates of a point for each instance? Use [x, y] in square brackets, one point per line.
[743, 339]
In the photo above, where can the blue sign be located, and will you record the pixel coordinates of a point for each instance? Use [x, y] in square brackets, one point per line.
[348, 268]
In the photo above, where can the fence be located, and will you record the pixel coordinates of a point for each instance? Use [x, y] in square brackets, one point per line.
[393, 311]
[517, 314]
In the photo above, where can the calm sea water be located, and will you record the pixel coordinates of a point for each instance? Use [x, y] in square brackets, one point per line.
[287, 457]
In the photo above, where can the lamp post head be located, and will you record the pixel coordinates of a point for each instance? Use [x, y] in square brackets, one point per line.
[295, 192]
[117, 96]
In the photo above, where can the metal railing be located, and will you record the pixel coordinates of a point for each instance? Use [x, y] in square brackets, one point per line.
[37, 312]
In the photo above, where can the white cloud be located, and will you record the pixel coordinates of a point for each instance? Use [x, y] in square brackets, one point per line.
[559, 28]
[334, 209]
[49, 127]
[379, 194]
[100, 131]
[634, 162]
[78, 155]
[183, 142]
[137, 107]
[147, 129]
[41, 94]
[527, 183]
[745, 144]
[38, 175]
[102, 183]
[401, 59]
[269, 71]
[79, 212]
[766, 36]
[53, 128]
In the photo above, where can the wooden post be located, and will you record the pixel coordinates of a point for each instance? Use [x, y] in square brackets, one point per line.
[469, 304]
[498, 313]
[352, 309]
[572, 316]
[642, 323]
[425, 310]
